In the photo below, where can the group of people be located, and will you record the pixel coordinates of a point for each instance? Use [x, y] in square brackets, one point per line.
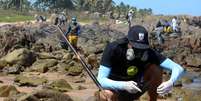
[59, 19]
[72, 28]
[129, 16]
[164, 26]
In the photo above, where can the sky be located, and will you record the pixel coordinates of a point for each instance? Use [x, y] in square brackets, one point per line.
[167, 7]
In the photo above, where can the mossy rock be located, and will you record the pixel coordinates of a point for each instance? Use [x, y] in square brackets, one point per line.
[60, 85]
[21, 56]
[8, 90]
[63, 67]
[75, 70]
[45, 55]
[30, 81]
[3, 64]
[68, 56]
[42, 95]
[43, 65]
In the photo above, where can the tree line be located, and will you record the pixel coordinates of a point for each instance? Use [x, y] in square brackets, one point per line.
[101, 6]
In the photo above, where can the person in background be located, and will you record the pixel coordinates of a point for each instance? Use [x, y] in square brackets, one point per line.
[73, 31]
[174, 24]
[160, 28]
[129, 17]
[63, 19]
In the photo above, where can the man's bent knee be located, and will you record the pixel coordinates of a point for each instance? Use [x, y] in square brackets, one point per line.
[108, 95]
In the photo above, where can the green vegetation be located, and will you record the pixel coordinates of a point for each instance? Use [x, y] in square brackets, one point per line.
[19, 10]
[89, 20]
[14, 16]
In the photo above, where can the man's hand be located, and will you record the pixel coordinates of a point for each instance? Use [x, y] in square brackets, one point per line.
[165, 87]
[131, 87]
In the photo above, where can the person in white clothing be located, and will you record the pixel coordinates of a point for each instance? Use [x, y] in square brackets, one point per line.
[174, 24]
[129, 17]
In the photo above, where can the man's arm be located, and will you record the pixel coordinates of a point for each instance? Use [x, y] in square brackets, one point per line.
[175, 68]
[107, 83]
[105, 70]
[176, 73]
[68, 31]
[78, 30]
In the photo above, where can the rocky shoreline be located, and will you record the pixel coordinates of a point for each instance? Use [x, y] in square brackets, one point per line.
[34, 66]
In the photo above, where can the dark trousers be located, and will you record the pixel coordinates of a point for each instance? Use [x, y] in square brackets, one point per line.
[151, 80]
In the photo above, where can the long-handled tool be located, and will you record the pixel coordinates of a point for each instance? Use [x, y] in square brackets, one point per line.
[84, 64]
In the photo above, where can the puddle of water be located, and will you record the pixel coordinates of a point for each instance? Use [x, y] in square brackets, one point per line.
[192, 90]
[196, 81]
[192, 86]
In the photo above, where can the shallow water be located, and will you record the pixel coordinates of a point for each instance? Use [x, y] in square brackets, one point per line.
[196, 81]
[192, 90]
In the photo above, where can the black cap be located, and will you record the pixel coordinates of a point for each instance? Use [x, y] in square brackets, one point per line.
[138, 37]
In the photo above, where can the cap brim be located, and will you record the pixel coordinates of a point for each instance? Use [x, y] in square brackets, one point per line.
[139, 45]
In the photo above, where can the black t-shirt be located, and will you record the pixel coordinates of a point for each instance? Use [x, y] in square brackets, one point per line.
[114, 57]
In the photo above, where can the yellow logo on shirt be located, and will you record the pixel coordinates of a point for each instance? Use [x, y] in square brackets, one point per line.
[132, 70]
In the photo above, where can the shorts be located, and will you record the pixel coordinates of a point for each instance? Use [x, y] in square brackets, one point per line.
[73, 40]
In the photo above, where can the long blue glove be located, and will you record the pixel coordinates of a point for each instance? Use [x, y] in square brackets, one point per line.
[176, 70]
[107, 83]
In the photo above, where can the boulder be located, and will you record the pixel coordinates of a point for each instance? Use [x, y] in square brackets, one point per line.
[21, 56]
[75, 70]
[60, 85]
[30, 81]
[43, 65]
[8, 90]
[68, 56]
[42, 95]
[62, 67]
[3, 64]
